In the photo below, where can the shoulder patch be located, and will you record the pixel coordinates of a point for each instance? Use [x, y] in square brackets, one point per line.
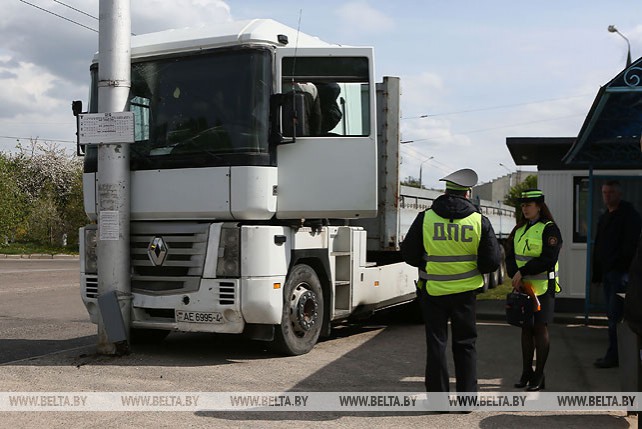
[552, 241]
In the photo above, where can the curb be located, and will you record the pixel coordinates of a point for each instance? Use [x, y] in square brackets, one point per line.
[39, 256]
[65, 256]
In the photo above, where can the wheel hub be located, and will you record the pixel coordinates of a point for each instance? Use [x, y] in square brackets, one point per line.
[304, 314]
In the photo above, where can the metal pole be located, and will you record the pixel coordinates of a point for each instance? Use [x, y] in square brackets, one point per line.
[589, 247]
[421, 168]
[114, 67]
[612, 29]
[501, 230]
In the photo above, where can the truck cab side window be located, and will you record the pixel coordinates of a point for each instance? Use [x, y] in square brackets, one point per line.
[140, 107]
[338, 105]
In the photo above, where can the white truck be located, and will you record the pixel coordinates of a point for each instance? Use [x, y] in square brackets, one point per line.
[265, 195]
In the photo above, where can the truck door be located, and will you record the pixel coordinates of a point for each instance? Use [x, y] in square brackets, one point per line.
[328, 169]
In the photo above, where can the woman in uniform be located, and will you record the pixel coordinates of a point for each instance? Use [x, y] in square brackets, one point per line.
[531, 261]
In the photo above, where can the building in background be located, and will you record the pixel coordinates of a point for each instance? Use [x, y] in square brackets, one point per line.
[497, 189]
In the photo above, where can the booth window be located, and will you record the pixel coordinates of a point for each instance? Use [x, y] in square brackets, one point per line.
[580, 209]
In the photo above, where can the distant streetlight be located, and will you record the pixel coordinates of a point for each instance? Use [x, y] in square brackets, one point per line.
[421, 166]
[510, 175]
[612, 29]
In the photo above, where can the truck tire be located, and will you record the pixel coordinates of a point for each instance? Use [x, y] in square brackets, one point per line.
[484, 287]
[493, 279]
[302, 317]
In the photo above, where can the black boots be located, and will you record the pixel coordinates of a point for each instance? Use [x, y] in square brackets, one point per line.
[538, 382]
[533, 381]
[524, 379]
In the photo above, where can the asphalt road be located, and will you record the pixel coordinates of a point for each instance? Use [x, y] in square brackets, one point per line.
[48, 345]
[40, 308]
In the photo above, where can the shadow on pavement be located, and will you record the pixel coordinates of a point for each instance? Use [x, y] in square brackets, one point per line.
[21, 349]
[567, 421]
[183, 349]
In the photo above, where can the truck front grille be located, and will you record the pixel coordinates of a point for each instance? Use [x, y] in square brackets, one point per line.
[183, 266]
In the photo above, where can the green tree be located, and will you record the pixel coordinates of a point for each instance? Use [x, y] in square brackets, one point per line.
[50, 182]
[411, 181]
[13, 204]
[73, 210]
[44, 224]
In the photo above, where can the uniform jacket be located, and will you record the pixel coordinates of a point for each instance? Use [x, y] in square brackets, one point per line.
[452, 207]
[616, 240]
[551, 245]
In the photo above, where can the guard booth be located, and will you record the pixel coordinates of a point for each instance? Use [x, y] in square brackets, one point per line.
[611, 138]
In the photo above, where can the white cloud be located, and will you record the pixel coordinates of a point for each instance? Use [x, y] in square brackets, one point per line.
[420, 94]
[360, 17]
[25, 87]
[28, 108]
[156, 15]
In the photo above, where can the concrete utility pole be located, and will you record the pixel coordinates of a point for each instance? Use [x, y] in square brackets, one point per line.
[114, 282]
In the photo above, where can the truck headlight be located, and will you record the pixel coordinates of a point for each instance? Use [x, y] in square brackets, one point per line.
[91, 243]
[229, 253]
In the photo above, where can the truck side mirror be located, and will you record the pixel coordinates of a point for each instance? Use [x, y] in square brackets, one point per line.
[294, 114]
[76, 107]
[276, 134]
[286, 107]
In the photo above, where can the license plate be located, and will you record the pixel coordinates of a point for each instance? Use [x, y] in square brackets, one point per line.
[198, 317]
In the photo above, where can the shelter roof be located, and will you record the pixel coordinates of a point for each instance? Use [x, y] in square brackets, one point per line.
[545, 152]
[610, 135]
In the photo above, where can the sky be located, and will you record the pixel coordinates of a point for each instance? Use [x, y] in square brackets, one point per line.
[472, 72]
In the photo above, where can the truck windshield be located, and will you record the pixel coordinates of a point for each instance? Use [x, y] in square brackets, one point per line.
[199, 110]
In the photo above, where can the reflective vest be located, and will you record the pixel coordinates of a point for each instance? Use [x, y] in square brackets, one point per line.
[528, 244]
[451, 254]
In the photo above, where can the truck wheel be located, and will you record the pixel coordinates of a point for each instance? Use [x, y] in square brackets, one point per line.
[493, 279]
[484, 287]
[302, 316]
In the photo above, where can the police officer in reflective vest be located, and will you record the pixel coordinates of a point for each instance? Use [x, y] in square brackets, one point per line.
[531, 260]
[452, 244]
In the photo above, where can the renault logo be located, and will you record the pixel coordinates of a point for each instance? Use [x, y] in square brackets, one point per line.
[157, 251]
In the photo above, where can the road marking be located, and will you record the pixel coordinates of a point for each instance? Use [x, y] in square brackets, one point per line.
[36, 270]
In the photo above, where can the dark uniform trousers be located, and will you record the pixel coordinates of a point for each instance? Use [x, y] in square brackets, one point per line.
[460, 309]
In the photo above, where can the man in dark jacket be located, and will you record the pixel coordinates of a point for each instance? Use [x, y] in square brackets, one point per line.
[452, 244]
[618, 229]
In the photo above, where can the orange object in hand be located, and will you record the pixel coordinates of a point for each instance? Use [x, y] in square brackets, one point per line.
[528, 288]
